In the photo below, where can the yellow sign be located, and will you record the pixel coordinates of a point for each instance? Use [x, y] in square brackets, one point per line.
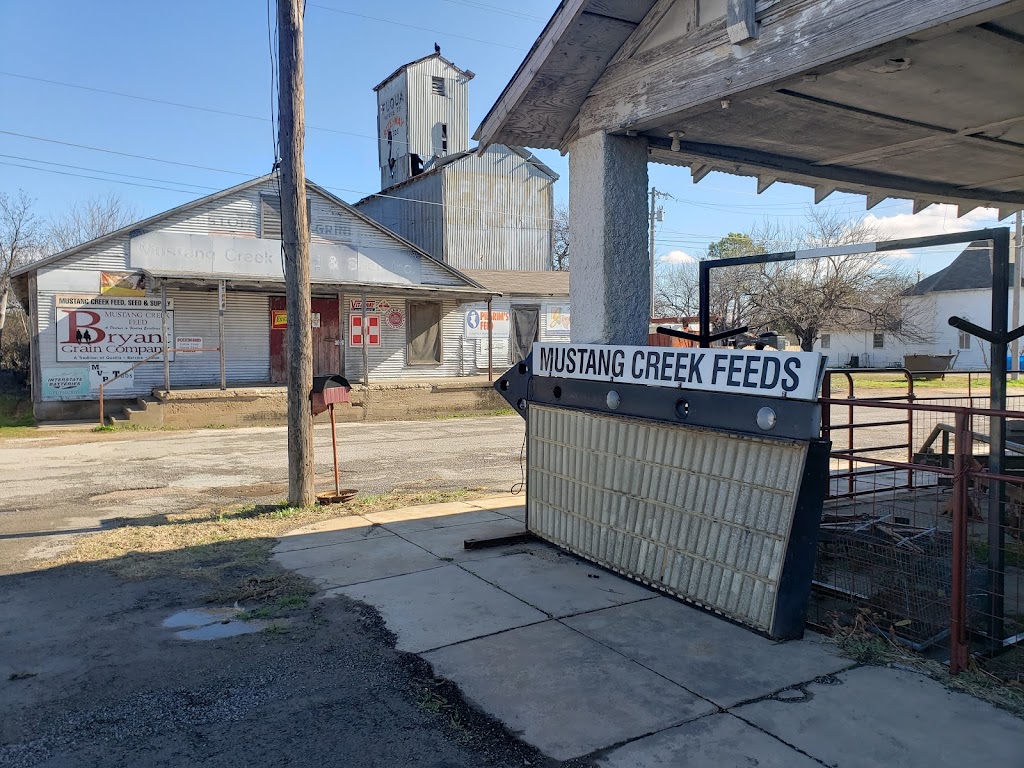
[123, 283]
[278, 318]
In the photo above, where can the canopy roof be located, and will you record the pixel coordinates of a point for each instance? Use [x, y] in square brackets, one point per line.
[920, 99]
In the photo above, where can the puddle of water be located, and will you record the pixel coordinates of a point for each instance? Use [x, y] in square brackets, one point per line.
[199, 617]
[221, 629]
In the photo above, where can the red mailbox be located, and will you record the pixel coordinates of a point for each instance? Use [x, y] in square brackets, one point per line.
[328, 390]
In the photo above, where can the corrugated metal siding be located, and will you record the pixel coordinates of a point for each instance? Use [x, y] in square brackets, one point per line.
[702, 515]
[426, 109]
[247, 317]
[388, 360]
[498, 210]
[474, 357]
[413, 211]
[246, 333]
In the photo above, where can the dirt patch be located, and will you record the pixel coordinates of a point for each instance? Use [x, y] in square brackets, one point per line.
[327, 689]
[105, 684]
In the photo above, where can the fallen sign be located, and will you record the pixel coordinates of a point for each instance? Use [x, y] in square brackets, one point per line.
[707, 483]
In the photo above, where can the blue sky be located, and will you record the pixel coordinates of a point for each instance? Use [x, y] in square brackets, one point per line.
[215, 55]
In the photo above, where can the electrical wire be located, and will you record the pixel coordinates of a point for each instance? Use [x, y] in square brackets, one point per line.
[418, 28]
[495, 9]
[181, 104]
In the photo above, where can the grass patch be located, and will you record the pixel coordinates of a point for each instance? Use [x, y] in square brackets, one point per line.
[16, 418]
[865, 642]
[227, 548]
[979, 383]
[473, 414]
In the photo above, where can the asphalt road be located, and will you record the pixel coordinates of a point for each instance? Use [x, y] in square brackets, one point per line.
[63, 484]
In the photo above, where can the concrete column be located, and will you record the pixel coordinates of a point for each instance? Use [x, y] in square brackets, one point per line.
[609, 287]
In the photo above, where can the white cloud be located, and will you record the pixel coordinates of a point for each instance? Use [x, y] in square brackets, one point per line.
[676, 257]
[934, 220]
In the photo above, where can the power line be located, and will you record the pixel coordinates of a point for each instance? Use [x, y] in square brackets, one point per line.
[97, 178]
[180, 104]
[126, 154]
[495, 9]
[417, 27]
[112, 173]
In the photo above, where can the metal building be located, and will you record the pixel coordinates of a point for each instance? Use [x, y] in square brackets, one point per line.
[203, 286]
[471, 210]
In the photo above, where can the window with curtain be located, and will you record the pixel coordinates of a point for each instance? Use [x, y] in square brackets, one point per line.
[424, 332]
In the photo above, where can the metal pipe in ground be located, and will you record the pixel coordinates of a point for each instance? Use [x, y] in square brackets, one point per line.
[334, 447]
[959, 644]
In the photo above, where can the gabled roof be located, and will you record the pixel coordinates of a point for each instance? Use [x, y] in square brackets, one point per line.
[970, 271]
[32, 266]
[444, 162]
[464, 72]
[143, 224]
[521, 283]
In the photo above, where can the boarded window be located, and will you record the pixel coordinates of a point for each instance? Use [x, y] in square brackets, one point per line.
[270, 216]
[878, 340]
[437, 86]
[826, 340]
[424, 333]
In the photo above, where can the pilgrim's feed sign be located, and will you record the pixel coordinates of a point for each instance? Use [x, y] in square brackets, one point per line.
[795, 375]
[110, 328]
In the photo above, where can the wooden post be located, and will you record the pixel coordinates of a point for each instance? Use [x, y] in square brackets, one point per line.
[295, 242]
[221, 302]
[163, 333]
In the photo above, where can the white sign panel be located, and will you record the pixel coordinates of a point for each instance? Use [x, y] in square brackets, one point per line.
[109, 328]
[168, 253]
[83, 382]
[500, 355]
[795, 375]
[188, 344]
[107, 375]
[556, 319]
[393, 130]
[478, 322]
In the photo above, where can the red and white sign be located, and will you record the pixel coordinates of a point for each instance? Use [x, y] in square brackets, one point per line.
[355, 330]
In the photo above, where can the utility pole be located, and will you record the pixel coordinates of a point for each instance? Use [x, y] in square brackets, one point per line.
[657, 214]
[295, 242]
[1017, 250]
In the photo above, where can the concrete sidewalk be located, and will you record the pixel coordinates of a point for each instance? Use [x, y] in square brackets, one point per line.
[581, 662]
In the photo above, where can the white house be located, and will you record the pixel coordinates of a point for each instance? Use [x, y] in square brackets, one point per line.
[964, 289]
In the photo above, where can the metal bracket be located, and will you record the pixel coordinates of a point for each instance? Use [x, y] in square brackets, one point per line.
[982, 333]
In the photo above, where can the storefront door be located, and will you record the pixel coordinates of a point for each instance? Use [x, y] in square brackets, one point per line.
[326, 338]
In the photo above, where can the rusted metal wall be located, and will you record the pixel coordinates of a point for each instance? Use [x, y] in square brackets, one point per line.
[498, 211]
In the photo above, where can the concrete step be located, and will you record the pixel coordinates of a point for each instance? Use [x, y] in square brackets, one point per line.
[147, 412]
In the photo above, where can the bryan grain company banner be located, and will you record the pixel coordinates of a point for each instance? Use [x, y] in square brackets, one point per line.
[795, 375]
[110, 328]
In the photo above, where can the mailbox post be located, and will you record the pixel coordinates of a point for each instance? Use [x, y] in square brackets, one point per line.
[328, 390]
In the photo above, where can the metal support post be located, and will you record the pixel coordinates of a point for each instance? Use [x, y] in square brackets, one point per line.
[163, 334]
[959, 646]
[490, 342]
[363, 334]
[704, 303]
[997, 428]
[221, 303]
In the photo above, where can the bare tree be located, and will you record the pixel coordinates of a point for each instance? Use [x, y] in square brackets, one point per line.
[20, 234]
[87, 220]
[560, 243]
[845, 291]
